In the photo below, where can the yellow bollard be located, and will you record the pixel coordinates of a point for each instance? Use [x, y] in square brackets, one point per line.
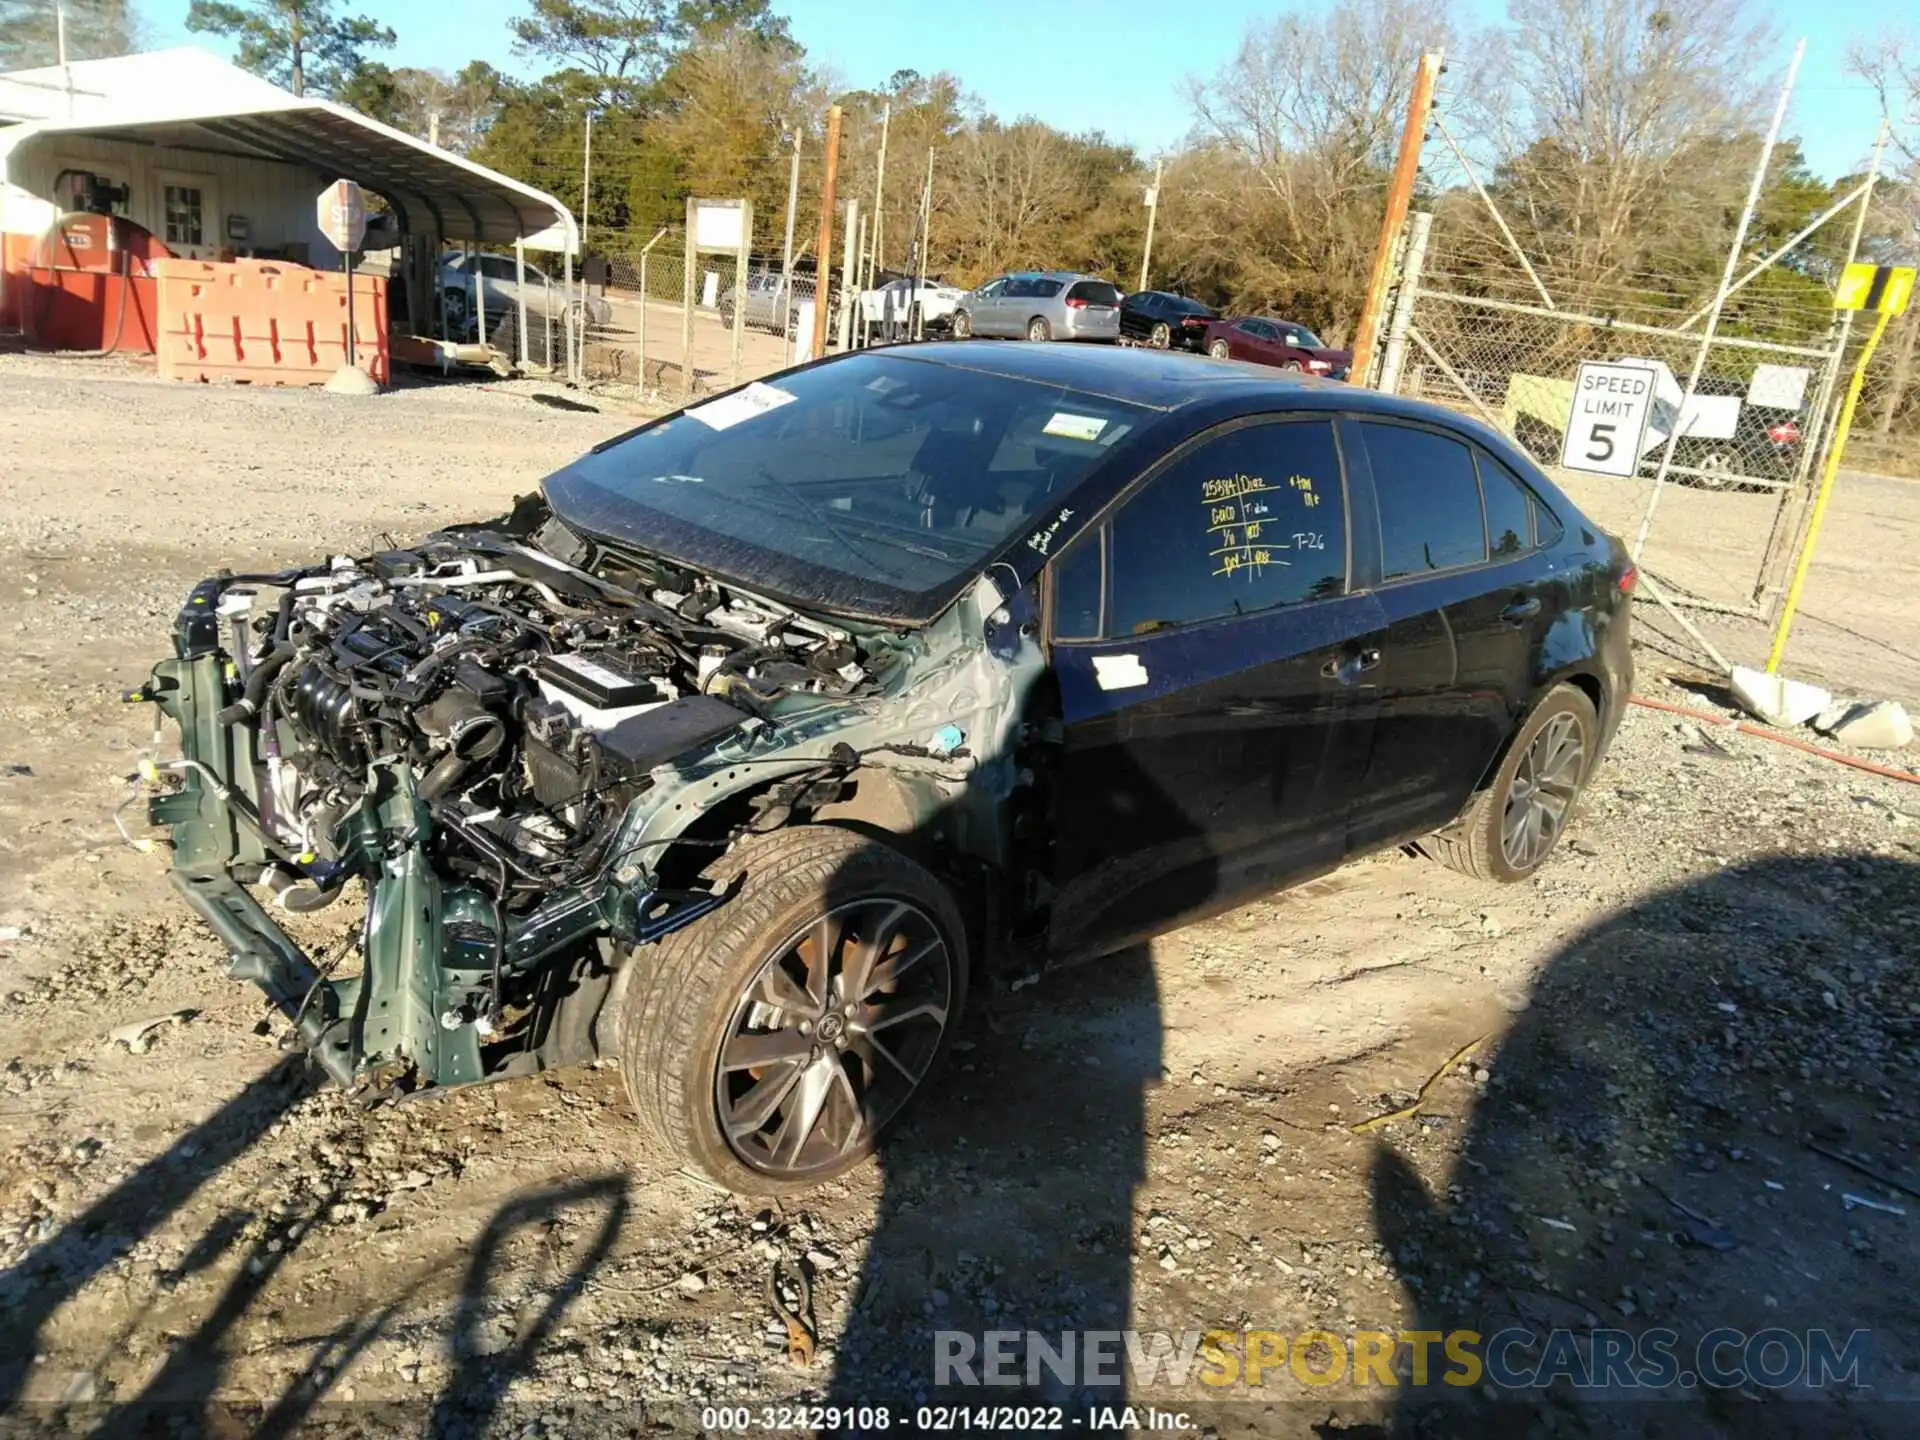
[1827, 478]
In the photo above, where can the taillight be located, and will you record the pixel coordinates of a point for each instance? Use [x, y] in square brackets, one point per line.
[1194, 320]
[1075, 303]
[1787, 432]
[1629, 577]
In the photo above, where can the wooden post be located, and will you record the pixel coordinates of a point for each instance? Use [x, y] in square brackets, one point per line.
[1153, 214]
[823, 252]
[1399, 197]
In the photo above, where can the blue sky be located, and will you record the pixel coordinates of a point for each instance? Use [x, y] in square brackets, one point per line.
[1111, 65]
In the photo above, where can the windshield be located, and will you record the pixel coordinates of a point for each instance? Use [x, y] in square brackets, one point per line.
[875, 485]
[1308, 340]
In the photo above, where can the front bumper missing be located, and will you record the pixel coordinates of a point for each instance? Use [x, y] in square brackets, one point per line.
[431, 949]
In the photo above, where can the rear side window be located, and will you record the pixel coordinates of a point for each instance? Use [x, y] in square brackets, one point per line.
[1509, 530]
[1429, 498]
[1094, 292]
[1046, 289]
[1017, 288]
[1249, 520]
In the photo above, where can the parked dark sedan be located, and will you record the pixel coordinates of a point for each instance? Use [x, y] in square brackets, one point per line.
[766, 729]
[1165, 321]
[1279, 343]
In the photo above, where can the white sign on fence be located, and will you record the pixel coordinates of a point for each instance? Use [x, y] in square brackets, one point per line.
[717, 225]
[1611, 405]
[342, 214]
[1778, 387]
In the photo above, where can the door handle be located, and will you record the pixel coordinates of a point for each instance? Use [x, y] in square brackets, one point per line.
[1351, 665]
[1520, 611]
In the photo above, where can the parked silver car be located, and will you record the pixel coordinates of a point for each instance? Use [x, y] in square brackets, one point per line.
[1044, 305]
[766, 292]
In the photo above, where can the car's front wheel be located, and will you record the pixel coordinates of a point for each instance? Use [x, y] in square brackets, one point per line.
[962, 325]
[772, 1041]
[1508, 828]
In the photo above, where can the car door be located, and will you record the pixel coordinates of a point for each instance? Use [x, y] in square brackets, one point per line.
[1463, 623]
[990, 300]
[1205, 644]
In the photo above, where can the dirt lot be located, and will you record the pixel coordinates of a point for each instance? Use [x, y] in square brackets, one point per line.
[1715, 976]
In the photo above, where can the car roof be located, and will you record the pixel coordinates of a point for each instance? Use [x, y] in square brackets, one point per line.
[1162, 380]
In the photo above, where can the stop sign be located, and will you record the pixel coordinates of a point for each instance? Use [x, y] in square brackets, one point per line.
[343, 215]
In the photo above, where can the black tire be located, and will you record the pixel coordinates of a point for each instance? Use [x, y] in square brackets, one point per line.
[1039, 330]
[1476, 843]
[1161, 336]
[684, 1006]
[962, 325]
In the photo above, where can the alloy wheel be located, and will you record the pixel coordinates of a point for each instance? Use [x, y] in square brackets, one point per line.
[833, 1035]
[1037, 332]
[1162, 335]
[1541, 794]
[1218, 350]
[962, 325]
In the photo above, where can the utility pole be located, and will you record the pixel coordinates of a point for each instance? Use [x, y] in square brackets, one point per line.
[793, 204]
[1399, 197]
[920, 251]
[879, 195]
[823, 269]
[1153, 214]
[586, 185]
[433, 128]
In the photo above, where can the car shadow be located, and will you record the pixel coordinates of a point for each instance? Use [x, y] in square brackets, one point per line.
[1650, 1166]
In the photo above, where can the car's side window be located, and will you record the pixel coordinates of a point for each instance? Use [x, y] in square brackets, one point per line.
[1509, 530]
[1017, 289]
[1429, 499]
[991, 290]
[1078, 583]
[1247, 520]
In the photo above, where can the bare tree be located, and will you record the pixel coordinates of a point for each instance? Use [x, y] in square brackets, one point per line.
[1613, 120]
[1300, 126]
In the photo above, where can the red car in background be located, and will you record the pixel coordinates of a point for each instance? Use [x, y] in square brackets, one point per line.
[1279, 343]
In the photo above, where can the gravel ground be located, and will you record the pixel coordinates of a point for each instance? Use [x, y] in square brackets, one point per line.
[1623, 1069]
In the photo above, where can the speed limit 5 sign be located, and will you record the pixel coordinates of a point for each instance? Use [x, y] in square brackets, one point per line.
[1608, 422]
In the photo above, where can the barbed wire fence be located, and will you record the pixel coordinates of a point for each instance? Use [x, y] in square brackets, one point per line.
[1497, 325]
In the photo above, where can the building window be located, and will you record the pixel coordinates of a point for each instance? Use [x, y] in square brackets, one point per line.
[183, 215]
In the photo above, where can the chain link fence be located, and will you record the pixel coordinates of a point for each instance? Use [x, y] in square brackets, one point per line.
[660, 338]
[1498, 329]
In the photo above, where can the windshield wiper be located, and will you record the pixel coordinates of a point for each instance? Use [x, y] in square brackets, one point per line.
[825, 521]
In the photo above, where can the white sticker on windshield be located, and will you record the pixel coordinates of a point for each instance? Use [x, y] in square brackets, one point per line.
[1074, 427]
[730, 410]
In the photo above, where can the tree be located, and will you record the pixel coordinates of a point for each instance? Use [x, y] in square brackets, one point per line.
[626, 44]
[1297, 135]
[29, 32]
[295, 43]
[726, 106]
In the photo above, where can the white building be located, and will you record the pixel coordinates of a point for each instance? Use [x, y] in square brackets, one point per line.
[220, 164]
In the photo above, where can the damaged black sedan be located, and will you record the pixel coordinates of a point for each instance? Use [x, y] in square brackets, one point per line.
[760, 733]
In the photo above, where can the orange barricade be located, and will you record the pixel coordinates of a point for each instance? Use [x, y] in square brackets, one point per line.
[266, 322]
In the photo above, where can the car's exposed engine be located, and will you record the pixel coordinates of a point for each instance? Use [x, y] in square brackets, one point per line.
[530, 697]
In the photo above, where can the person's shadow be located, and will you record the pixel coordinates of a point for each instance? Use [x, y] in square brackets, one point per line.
[1655, 1150]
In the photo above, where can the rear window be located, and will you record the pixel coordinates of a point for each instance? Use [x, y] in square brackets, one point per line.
[1094, 292]
[1509, 530]
[1430, 517]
